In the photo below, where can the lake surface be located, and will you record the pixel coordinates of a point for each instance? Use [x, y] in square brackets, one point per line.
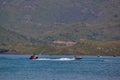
[19, 67]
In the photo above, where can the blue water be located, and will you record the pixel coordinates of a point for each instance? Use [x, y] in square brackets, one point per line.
[19, 67]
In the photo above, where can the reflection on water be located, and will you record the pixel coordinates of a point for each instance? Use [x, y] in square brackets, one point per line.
[19, 67]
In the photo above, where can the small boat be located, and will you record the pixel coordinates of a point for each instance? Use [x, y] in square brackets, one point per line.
[99, 56]
[114, 55]
[33, 57]
[77, 57]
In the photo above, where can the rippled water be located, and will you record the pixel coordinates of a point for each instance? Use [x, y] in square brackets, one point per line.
[19, 67]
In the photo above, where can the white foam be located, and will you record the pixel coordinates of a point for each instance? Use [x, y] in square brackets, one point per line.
[59, 59]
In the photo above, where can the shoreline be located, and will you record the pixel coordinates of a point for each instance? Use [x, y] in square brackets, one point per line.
[57, 54]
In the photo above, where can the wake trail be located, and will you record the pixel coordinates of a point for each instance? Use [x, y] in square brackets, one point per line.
[58, 59]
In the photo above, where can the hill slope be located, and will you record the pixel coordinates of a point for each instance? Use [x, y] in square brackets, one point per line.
[49, 20]
[109, 30]
[9, 37]
[58, 11]
[86, 47]
[83, 47]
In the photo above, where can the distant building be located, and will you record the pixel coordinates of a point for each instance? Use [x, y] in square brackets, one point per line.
[83, 39]
[67, 43]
